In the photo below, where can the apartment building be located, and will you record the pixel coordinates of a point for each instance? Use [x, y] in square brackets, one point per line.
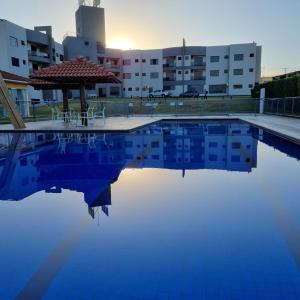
[230, 70]
[221, 70]
[24, 50]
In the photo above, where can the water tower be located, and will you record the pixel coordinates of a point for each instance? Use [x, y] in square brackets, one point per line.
[90, 21]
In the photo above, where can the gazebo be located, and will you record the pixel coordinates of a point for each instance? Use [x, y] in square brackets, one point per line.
[76, 74]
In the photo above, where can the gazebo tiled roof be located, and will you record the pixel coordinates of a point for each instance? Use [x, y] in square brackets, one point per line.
[74, 71]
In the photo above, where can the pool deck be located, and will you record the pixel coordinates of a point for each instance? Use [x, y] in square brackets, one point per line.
[286, 127]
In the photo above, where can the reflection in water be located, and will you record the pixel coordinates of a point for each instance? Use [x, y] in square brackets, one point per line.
[224, 246]
[89, 163]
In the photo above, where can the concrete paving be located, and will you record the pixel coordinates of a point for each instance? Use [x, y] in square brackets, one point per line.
[284, 126]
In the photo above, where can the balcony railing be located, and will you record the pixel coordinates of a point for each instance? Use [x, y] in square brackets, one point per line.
[170, 65]
[198, 64]
[170, 79]
[38, 54]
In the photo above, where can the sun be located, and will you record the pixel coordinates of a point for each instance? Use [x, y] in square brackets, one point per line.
[120, 44]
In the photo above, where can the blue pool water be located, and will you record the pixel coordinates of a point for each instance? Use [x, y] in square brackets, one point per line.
[173, 211]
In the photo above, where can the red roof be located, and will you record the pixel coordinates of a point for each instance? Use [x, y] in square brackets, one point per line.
[13, 77]
[76, 70]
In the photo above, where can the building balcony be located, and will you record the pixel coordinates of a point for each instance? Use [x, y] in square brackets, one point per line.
[170, 65]
[112, 66]
[198, 78]
[39, 56]
[198, 64]
[169, 79]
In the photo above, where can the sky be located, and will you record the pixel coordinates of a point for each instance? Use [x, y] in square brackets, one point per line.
[146, 24]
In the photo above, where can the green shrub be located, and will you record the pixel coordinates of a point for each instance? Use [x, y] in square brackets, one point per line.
[289, 87]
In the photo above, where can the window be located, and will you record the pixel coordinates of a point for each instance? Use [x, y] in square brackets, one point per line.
[155, 145]
[226, 71]
[252, 55]
[137, 74]
[155, 157]
[238, 72]
[213, 145]
[235, 158]
[143, 60]
[61, 57]
[144, 74]
[22, 43]
[154, 61]
[187, 57]
[218, 89]
[214, 73]
[126, 62]
[85, 43]
[250, 86]
[24, 62]
[236, 145]
[251, 70]
[213, 157]
[239, 57]
[214, 59]
[179, 58]
[187, 72]
[129, 89]
[129, 144]
[13, 41]
[237, 86]
[179, 72]
[15, 62]
[226, 56]
[137, 89]
[136, 60]
[154, 75]
[127, 76]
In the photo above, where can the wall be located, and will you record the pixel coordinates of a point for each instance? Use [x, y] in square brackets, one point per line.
[7, 30]
[248, 79]
[140, 84]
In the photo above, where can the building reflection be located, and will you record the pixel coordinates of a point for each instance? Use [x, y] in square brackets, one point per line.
[90, 163]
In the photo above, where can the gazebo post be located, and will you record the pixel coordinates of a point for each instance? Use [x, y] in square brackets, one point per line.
[83, 105]
[65, 100]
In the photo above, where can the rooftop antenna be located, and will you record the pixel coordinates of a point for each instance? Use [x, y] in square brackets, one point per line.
[96, 3]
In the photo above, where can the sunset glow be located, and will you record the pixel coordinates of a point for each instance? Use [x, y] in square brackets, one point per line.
[120, 44]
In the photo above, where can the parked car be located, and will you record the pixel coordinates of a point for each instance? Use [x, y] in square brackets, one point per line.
[190, 94]
[159, 94]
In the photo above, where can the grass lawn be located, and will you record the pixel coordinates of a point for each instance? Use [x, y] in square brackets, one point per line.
[119, 106]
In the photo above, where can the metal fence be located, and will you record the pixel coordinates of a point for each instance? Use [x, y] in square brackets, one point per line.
[283, 106]
[178, 107]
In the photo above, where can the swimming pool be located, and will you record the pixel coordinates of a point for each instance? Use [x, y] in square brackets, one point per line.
[174, 210]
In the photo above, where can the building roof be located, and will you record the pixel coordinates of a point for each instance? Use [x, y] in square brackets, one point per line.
[13, 77]
[77, 70]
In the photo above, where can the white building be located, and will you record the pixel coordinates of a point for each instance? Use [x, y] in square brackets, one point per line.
[24, 51]
[221, 70]
[233, 69]
[142, 72]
